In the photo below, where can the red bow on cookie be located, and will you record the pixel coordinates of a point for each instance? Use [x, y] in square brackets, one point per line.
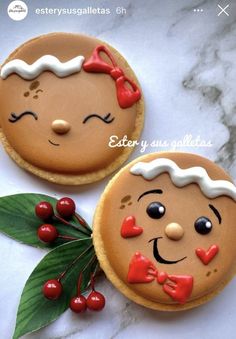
[142, 270]
[126, 96]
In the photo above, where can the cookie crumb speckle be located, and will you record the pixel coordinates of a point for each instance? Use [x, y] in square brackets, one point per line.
[34, 85]
[126, 198]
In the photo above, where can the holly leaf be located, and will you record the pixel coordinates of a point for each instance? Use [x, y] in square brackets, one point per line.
[35, 311]
[18, 220]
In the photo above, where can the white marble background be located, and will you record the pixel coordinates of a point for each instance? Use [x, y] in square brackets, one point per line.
[186, 64]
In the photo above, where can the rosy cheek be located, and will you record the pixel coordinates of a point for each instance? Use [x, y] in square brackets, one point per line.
[129, 228]
[206, 256]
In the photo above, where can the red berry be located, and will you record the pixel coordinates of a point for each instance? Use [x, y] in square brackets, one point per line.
[78, 304]
[52, 289]
[47, 233]
[66, 207]
[95, 301]
[44, 210]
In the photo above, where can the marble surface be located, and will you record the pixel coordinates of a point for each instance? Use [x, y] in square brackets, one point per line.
[186, 64]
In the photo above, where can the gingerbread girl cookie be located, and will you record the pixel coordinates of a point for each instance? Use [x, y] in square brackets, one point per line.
[61, 98]
[164, 230]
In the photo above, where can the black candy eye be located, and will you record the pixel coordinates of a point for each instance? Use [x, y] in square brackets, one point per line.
[203, 225]
[155, 210]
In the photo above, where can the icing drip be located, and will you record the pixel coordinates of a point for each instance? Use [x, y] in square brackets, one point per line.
[182, 177]
[45, 63]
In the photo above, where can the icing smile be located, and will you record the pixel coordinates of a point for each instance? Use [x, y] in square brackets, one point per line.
[53, 143]
[157, 255]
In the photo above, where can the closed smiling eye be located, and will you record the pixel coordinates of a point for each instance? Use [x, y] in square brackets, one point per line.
[107, 118]
[15, 118]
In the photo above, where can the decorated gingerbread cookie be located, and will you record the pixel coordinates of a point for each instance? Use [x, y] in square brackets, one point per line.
[61, 98]
[164, 230]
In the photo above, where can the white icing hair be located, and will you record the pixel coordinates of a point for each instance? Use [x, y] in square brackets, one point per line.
[45, 63]
[182, 177]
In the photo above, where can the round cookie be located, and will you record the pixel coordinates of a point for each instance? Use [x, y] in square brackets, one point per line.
[62, 96]
[164, 230]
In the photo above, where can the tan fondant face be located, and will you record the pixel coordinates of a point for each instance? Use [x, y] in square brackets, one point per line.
[83, 146]
[174, 251]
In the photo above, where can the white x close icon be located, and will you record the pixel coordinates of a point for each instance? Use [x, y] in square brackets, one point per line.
[223, 10]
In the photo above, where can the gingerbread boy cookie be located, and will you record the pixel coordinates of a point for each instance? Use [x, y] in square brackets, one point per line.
[61, 98]
[164, 230]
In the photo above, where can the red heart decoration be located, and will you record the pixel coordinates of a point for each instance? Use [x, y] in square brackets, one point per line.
[129, 228]
[207, 256]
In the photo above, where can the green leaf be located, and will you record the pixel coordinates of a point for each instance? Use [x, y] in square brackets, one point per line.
[18, 220]
[35, 311]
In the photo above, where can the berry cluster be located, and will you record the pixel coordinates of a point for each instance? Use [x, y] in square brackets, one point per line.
[65, 207]
[95, 301]
[48, 233]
